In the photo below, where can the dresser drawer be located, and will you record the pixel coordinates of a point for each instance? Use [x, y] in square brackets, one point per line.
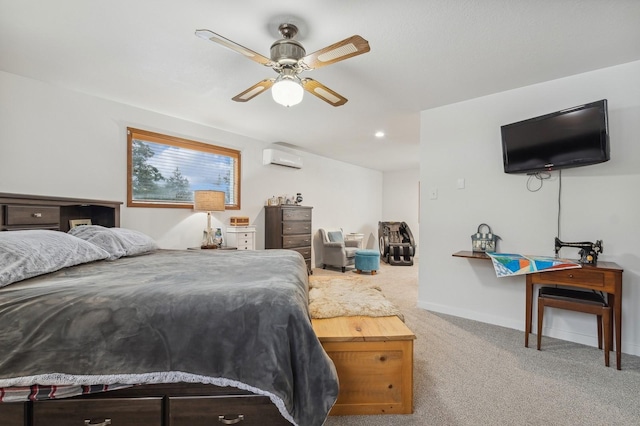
[290, 241]
[240, 235]
[246, 240]
[119, 412]
[245, 410]
[595, 279]
[296, 214]
[32, 215]
[304, 251]
[12, 413]
[291, 228]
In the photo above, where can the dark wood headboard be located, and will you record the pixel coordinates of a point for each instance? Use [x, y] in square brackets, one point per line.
[19, 211]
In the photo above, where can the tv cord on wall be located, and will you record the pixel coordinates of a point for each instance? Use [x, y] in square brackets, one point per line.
[540, 176]
[559, 200]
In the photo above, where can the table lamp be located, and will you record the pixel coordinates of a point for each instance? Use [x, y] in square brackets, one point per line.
[208, 201]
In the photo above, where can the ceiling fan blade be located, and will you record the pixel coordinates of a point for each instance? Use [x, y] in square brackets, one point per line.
[254, 90]
[323, 92]
[347, 48]
[217, 38]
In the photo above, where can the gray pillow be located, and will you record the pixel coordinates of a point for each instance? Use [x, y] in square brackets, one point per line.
[118, 242]
[336, 237]
[101, 237]
[26, 254]
[135, 242]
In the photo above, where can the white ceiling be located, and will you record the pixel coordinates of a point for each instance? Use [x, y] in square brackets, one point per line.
[424, 54]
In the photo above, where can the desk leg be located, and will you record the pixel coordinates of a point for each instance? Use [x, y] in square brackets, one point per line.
[617, 320]
[528, 309]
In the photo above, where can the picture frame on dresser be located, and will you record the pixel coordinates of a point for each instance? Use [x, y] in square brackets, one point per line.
[78, 222]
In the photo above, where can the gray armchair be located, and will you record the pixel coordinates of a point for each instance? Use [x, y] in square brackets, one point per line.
[336, 251]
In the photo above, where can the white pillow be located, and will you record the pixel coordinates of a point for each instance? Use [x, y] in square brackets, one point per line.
[26, 254]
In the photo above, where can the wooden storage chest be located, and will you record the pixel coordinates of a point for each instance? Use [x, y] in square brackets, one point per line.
[374, 360]
[239, 221]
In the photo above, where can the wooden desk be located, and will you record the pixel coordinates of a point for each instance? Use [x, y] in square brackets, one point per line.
[471, 255]
[605, 277]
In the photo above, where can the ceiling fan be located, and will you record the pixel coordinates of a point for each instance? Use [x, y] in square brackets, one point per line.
[289, 59]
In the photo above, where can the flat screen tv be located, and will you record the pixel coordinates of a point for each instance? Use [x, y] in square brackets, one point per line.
[572, 137]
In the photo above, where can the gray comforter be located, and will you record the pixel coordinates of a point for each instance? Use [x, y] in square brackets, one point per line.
[227, 318]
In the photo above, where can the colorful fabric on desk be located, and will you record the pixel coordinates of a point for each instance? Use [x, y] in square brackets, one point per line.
[507, 264]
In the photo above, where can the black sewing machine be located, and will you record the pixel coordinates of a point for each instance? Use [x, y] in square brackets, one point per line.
[588, 250]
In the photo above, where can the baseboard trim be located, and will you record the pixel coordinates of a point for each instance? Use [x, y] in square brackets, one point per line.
[571, 336]
[472, 315]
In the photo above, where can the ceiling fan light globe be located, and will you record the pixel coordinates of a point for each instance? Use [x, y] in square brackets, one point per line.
[287, 92]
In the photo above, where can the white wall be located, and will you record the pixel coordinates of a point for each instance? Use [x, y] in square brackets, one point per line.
[598, 202]
[401, 200]
[62, 143]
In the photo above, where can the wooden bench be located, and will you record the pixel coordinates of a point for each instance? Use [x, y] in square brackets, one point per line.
[374, 360]
[579, 301]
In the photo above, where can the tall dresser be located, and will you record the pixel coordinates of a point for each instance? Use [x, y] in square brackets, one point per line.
[289, 227]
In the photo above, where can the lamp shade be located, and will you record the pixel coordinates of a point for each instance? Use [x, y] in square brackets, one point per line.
[287, 90]
[208, 201]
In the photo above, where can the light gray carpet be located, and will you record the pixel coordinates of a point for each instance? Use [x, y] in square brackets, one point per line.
[470, 373]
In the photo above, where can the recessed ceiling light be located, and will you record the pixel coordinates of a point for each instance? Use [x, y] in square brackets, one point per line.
[379, 134]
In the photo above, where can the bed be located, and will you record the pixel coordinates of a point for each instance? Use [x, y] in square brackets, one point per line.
[180, 337]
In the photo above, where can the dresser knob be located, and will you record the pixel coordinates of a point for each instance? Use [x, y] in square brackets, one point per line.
[37, 215]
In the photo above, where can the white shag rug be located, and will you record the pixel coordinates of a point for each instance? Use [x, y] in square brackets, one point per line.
[340, 297]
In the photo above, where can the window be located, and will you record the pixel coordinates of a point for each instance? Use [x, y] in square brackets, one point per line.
[163, 171]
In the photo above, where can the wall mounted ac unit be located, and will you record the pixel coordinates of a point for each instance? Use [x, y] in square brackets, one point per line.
[281, 158]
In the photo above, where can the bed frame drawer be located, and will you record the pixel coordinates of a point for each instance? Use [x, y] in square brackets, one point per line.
[32, 215]
[12, 413]
[119, 412]
[246, 410]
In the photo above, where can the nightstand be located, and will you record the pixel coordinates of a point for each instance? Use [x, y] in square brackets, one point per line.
[241, 237]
